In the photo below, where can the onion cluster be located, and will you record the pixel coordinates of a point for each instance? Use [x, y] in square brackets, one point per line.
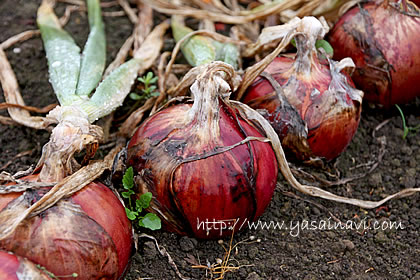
[87, 234]
[207, 166]
[383, 39]
[309, 100]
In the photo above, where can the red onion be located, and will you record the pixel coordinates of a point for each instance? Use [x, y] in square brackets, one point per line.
[88, 233]
[383, 39]
[13, 267]
[312, 104]
[202, 161]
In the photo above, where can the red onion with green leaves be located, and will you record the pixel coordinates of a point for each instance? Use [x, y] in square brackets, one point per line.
[383, 39]
[204, 161]
[309, 100]
[88, 233]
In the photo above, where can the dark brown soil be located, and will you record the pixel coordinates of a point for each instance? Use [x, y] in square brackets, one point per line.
[311, 253]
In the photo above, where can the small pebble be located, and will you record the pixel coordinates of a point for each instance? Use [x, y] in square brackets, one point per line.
[149, 250]
[187, 244]
[380, 237]
[253, 276]
[349, 245]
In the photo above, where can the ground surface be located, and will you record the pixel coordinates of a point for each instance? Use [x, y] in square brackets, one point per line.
[281, 253]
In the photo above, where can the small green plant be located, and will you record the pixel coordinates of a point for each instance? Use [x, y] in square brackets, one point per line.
[150, 220]
[53, 276]
[149, 81]
[407, 129]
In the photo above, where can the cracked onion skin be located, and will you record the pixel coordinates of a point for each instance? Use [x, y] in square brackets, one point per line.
[384, 42]
[181, 157]
[88, 233]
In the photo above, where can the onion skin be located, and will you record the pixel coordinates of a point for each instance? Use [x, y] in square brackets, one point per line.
[385, 46]
[88, 234]
[13, 267]
[182, 162]
[331, 116]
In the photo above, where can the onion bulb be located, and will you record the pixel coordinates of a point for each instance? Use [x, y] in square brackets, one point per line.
[308, 98]
[13, 267]
[383, 39]
[88, 234]
[206, 165]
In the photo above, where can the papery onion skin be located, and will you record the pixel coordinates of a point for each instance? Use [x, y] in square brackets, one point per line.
[88, 234]
[331, 116]
[13, 267]
[192, 178]
[385, 46]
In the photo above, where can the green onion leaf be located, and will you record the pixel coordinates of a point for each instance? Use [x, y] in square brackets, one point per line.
[62, 53]
[197, 50]
[112, 91]
[227, 52]
[94, 52]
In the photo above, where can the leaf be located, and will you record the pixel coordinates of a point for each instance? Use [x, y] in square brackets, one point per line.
[138, 206]
[131, 215]
[62, 53]
[94, 52]
[149, 77]
[135, 96]
[128, 181]
[145, 199]
[112, 91]
[326, 46]
[152, 88]
[150, 221]
[198, 49]
[153, 80]
[127, 194]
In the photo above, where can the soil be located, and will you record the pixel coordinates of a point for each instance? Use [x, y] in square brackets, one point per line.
[315, 251]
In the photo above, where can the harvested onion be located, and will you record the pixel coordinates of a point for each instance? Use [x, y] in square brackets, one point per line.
[13, 267]
[88, 233]
[204, 162]
[383, 39]
[312, 104]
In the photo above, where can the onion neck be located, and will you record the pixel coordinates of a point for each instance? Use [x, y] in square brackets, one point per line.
[305, 51]
[72, 134]
[208, 90]
[205, 110]
[308, 31]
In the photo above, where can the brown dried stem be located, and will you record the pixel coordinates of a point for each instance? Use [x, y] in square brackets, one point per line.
[168, 7]
[12, 95]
